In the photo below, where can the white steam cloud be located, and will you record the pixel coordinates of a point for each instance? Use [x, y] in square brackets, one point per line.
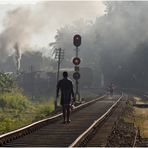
[36, 25]
[17, 56]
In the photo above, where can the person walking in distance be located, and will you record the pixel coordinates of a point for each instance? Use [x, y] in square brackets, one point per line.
[111, 89]
[66, 87]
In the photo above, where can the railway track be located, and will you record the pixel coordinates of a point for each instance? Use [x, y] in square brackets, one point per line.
[89, 134]
[51, 131]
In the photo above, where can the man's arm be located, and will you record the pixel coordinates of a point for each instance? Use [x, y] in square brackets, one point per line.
[72, 92]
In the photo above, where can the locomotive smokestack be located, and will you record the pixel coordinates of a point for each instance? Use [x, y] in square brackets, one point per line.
[17, 56]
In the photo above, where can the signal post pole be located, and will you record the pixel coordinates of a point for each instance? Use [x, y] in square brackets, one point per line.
[77, 94]
[76, 62]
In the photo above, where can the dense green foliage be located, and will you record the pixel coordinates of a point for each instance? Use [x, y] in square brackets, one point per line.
[6, 82]
[17, 111]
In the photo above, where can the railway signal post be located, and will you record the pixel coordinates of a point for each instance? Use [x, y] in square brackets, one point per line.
[76, 62]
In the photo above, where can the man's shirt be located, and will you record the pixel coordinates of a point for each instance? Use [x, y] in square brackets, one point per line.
[66, 87]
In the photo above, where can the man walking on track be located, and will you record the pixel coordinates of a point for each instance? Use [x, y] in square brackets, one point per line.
[66, 87]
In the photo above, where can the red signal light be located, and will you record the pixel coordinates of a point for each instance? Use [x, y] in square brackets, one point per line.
[76, 61]
[77, 40]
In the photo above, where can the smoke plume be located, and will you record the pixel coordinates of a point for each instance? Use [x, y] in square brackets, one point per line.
[18, 56]
[113, 43]
[34, 25]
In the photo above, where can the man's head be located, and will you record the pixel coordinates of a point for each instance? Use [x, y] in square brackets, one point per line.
[65, 74]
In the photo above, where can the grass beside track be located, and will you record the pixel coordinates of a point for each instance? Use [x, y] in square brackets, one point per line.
[139, 116]
[16, 111]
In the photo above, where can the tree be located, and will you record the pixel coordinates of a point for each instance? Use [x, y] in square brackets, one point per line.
[7, 82]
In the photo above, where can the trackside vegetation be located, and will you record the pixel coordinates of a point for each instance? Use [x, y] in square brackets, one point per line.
[16, 109]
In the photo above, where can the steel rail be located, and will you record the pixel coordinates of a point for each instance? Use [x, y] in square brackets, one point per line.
[10, 136]
[135, 138]
[96, 123]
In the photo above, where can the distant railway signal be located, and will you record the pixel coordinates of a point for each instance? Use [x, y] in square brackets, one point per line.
[76, 61]
[77, 40]
[76, 75]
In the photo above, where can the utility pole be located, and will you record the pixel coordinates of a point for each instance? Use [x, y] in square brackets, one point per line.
[59, 56]
[32, 81]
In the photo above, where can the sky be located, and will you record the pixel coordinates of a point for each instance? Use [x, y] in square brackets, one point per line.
[43, 18]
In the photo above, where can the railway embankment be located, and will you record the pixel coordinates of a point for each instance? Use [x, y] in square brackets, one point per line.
[132, 127]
